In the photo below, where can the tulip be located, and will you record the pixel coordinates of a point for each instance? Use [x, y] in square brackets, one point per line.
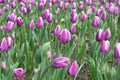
[96, 21]
[65, 36]
[57, 30]
[88, 2]
[89, 10]
[41, 6]
[105, 46]
[116, 11]
[7, 7]
[24, 10]
[74, 5]
[49, 18]
[117, 51]
[111, 9]
[114, 21]
[10, 42]
[29, 8]
[45, 14]
[103, 1]
[100, 35]
[72, 70]
[118, 2]
[49, 55]
[9, 26]
[73, 29]
[4, 44]
[103, 17]
[12, 17]
[1, 12]
[98, 13]
[18, 72]
[19, 21]
[81, 5]
[83, 17]
[13, 36]
[61, 5]
[66, 7]
[3, 65]
[40, 23]
[107, 34]
[74, 18]
[31, 24]
[13, 5]
[49, 5]
[60, 62]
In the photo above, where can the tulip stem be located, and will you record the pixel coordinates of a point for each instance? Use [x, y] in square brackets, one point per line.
[78, 71]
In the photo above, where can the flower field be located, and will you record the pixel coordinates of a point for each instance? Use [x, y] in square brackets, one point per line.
[59, 39]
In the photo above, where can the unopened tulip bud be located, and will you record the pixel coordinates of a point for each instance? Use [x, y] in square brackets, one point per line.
[36, 71]
[49, 18]
[29, 8]
[116, 11]
[31, 24]
[73, 28]
[60, 62]
[3, 65]
[4, 44]
[40, 23]
[96, 21]
[81, 5]
[7, 7]
[117, 51]
[100, 35]
[107, 34]
[49, 55]
[74, 5]
[1, 12]
[66, 7]
[45, 14]
[103, 17]
[111, 9]
[41, 6]
[103, 1]
[88, 2]
[57, 30]
[74, 18]
[72, 70]
[61, 5]
[19, 21]
[13, 5]
[9, 26]
[83, 17]
[105, 46]
[13, 36]
[49, 5]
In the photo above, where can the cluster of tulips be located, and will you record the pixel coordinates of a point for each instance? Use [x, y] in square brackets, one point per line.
[60, 28]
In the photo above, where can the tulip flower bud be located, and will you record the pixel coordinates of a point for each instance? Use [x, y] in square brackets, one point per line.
[103, 17]
[74, 5]
[100, 35]
[105, 46]
[4, 44]
[61, 5]
[72, 70]
[114, 21]
[74, 18]
[13, 5]
[107, 6]
[1, 12]
[49, 5]
[13, 36]
[45, 14]
[81, 5]
[65, 36]
[31, 24]
[73, 28]
[7, 7]
[40, 23]
[12, 17]
[89, 10]
[49, 55]
[88, 2]
[41, 6]
[118, 2]
[116, 11]
[96, 21]
[83, 17]
[18, 72]
[19, 21]
[24, 10]
[98, 13]
[10, 42]
[29, 8]
[58, 11]
[9, 26]
[3, 65]
[117, 51]
[66, 7]
[60, 62]
[36, 71]
[103, 1]
[111, 9]
[49, 18]
[57, 30]
[107, 34]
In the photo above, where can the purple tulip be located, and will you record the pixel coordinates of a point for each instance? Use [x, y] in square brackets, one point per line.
[9, 26]
[98, 13]
[31, 24]
[118, 2]
[18, 72]
[81, 5]
[88, 2]
[41, 6]
[50, 5]
[107, 34]
[72, 70]
[13, 5]
[24, 10]
[73, 29]
[40, 23]
[117, 51]
[105, 46]
[74, 5]
[89, 10]
[13, 36]
[49, 18]
[83, 17]
[111, 9]
[116, 11]
[3, 65]
[10, 42]
[74, 18]
[49, 55]
[57, 30]
[65, 36]
[60, 62]
[100, 35]
[61, 5]
[29, 8]
[96, 21]
[103, 17]
[4, 44]
[1, 12]
[66, 7]
[103, 1]
[12, 17]
[7, 7]
[19, 21]
[45, 14]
